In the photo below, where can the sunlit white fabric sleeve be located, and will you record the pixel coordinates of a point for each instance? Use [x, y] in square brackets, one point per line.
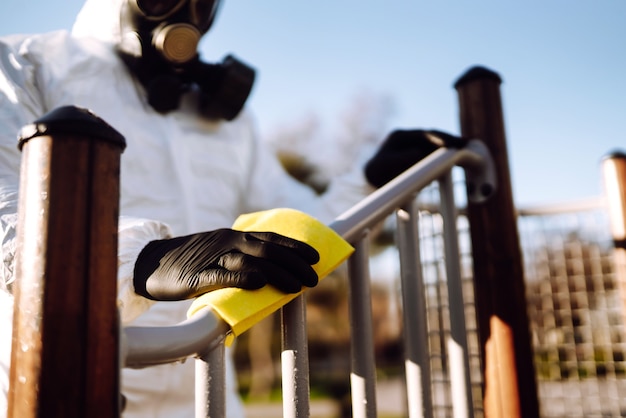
[270, 187]
[20, 103]
[23, 80]
[134, 234]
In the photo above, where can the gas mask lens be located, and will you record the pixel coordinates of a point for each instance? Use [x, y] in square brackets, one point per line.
[157, 9]
[201, 12]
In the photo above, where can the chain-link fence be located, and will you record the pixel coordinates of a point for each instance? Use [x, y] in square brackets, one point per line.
[573, 302]
[575, 311]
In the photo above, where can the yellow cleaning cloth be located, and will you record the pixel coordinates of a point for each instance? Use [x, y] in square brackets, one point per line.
[240, 308]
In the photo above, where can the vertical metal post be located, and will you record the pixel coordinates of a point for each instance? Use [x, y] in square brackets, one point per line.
[510, 383]
[614, 177]
[363, 374]
[65, 354]
[458, 353]
[211, 383]
[295, 359]
[416, 357]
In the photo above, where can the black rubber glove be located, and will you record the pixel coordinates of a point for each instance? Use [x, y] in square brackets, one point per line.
[185, 267]
[404, 148]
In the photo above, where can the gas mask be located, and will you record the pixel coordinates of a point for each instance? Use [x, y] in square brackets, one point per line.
[159, 45]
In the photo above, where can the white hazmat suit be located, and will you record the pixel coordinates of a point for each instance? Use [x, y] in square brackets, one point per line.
[180, 174]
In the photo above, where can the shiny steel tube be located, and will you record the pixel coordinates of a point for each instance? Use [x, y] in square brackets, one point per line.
[295, 359]
[148, 346]
[480, 176]
[363, 368]
[416, 354]
[458, 353]
[143, 346]
[210, 383]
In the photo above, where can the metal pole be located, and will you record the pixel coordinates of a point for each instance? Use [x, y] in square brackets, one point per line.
[65, 354]
[211, 383]
[510, 385]
[295, 359]
[416, 357]
[458, 353]
[363, 375]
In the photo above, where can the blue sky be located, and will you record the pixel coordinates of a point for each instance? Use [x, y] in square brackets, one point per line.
[563, 65]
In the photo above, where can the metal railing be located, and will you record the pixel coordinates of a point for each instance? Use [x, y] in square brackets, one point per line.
[66, 144]
[202, 335]
[574, 302]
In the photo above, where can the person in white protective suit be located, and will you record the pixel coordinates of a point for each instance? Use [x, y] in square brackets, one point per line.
[187, 168]
[192, 164]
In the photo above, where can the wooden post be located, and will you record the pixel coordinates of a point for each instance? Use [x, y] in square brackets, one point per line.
[614, 177]
[65, 353]
[510, 389]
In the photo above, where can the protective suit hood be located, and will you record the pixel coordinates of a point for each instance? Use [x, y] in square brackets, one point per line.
[99, 19]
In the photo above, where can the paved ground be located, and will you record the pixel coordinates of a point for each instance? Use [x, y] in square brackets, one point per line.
[319, 409]
[589, 398]
[390, 402]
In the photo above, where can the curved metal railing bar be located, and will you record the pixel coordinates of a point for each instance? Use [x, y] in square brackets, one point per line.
[200, 335]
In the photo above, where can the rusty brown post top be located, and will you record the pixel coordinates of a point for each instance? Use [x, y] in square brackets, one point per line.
[73, 121]
[65, 354]
[510, 389]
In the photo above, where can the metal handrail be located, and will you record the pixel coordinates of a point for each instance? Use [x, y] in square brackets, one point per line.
[200, 335]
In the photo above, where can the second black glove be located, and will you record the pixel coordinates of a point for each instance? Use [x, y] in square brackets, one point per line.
[186, 267]
[404, 148]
